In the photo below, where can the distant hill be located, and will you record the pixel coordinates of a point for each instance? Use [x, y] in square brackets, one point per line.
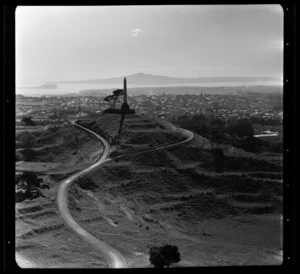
[149, 79]
[45, 86]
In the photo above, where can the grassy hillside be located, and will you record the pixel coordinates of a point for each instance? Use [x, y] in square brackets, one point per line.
[41, 235]
[175, 196]
[138, 132]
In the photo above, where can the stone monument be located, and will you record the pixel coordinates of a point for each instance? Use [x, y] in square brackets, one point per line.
[125, 106]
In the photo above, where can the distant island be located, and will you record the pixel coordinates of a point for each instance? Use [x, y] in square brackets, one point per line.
[45, 86]
[149, 79]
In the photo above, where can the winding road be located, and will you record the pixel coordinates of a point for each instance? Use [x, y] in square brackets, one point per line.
[112, 256]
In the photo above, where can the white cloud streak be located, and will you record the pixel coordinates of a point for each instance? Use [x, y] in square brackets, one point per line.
[135, 32]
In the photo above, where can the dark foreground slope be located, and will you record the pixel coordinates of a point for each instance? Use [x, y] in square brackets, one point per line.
[174, 196]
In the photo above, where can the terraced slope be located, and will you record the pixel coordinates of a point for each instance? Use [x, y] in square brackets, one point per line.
[171, 196]
[175, 196]
[42, 239]
[138, 132]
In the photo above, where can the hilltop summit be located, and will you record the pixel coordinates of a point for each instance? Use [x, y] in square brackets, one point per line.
[138, 132]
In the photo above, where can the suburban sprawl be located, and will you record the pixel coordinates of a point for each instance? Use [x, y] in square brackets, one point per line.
[263, 107]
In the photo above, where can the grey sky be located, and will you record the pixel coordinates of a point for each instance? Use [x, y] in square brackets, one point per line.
[74, 43]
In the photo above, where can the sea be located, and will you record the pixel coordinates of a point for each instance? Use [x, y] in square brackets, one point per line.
[67, 88]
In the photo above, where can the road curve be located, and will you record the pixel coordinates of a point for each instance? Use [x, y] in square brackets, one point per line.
[112, 256]
[190, 134]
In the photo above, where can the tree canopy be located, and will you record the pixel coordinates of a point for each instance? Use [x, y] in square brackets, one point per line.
[238, 132]
[28, 186]
[112, 99]
[161, 256]
[242, 128]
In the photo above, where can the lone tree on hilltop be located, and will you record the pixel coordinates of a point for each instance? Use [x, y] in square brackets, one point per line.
[109, 99]
[112, 99]
[161, 256]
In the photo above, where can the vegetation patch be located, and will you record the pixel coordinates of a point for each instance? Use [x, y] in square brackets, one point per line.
[28, 186]
[86, 183]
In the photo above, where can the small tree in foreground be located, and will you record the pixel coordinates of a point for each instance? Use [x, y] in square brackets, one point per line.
[28, 186]
[161, 256]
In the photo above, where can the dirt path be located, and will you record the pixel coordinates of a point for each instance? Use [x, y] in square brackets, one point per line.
[112, 256]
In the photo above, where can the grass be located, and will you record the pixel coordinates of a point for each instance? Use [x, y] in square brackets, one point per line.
[182, 170]
[139, 133]
[168, 196]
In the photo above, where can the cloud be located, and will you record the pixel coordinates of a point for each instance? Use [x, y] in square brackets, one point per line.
[135, 32]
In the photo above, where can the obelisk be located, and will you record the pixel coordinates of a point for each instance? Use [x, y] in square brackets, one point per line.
[125, 91]
[125, 106]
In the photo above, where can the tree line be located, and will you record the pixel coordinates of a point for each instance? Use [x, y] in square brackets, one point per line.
[236, 132]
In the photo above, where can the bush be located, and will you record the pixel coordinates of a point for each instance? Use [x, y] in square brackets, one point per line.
[28, 186]
[86, 183]
[242, 127]
[161, 256]
[250, 144]
[28, 121]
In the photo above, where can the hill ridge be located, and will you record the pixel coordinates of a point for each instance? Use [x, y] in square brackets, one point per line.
[142, 78]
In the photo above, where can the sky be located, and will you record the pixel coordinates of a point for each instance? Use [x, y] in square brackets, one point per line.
[61, 43]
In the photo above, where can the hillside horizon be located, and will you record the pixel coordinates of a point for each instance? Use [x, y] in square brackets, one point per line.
[143, 78]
